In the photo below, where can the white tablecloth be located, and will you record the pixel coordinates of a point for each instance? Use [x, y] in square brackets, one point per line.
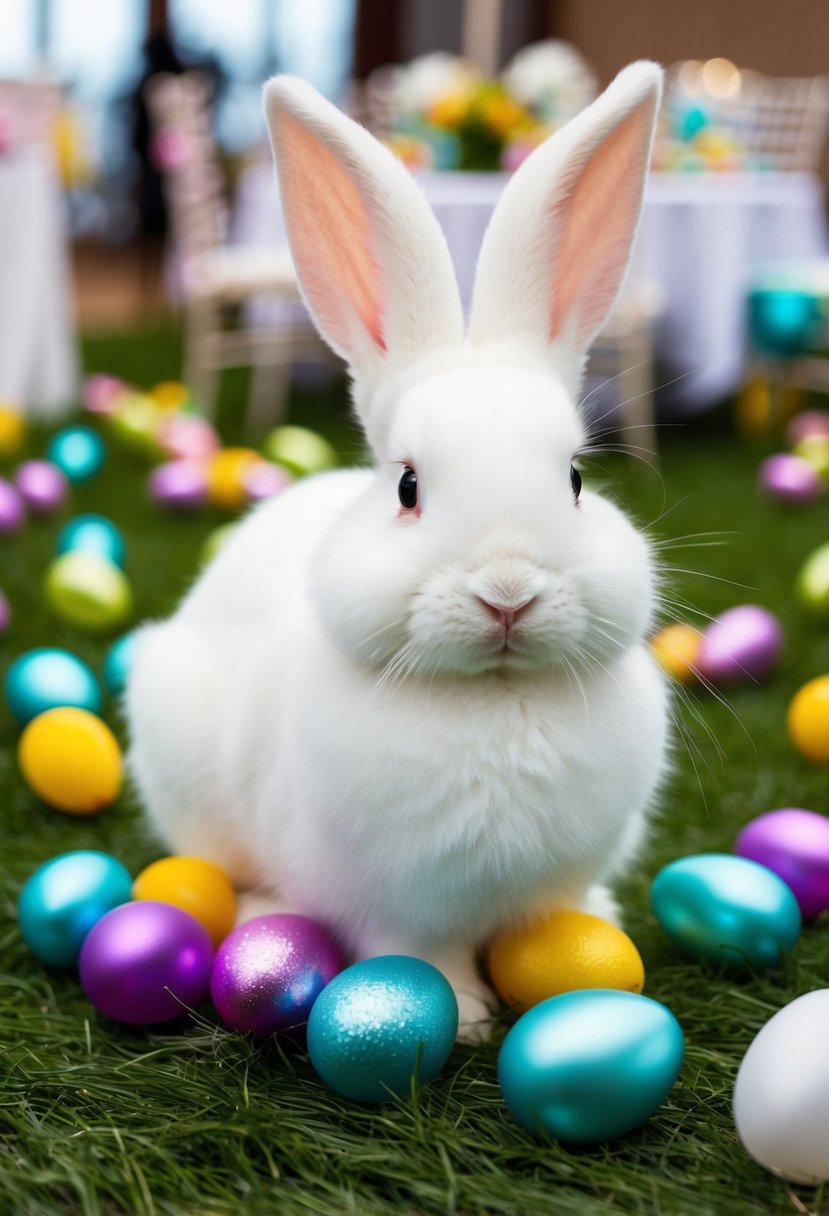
[38, 357]
[701, 236]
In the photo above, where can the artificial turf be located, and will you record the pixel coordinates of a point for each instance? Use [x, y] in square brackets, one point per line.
[101, 1118]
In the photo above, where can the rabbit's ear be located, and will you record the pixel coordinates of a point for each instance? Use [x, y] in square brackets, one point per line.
[371, 258]
[558, 245]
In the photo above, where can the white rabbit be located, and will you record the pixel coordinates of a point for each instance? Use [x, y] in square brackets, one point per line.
[414, 702]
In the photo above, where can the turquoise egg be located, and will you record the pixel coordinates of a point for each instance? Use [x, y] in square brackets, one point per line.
[590, 1065]
[63, 900]
[118, 663]
[727, 910]
[78, 452]
[46, 679]
[93, 534]
[381, 1023]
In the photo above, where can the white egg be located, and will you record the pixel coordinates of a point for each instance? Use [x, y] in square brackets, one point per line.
[781, 1096]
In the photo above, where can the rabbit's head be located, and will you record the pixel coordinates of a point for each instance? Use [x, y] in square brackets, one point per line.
[474, 547]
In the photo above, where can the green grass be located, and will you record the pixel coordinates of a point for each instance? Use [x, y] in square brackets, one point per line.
[101, 1118]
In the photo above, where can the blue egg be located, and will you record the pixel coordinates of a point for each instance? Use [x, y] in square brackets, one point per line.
[782, 322]
[590, 1065]
[94, 534]
[728, 910]
[118, 664]
[63, 900]
[47, 678]
[78, 451]
[380, 1023]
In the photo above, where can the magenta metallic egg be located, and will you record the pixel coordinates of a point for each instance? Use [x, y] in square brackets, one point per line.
[12, 509]
[790, 478]
[270, 970]
[794, 843]
[743, 643]
[180, 485]
[41, 485]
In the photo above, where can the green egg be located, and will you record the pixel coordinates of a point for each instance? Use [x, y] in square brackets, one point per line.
[86, 590]
[813, 582]
[300, 450]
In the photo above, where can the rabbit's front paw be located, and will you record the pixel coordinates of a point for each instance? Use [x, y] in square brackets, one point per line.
[475, 1013]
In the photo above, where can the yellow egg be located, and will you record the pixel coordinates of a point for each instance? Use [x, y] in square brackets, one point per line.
[71, 760]
[560, 952]
[675, 648]
[170, 394]
[199, 887]
[12, 430]
[225, 477]
[808, 720]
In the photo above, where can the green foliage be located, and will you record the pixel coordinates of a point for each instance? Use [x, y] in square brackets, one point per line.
[97, 1118]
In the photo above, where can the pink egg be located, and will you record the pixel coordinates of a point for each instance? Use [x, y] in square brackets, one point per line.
[12, 509]
[790, 478]
[263, 480]
[803, 426]
[5, 613]
[180, 485]
[188, 437]
[42, 486]
[101, 392]
[741, 644]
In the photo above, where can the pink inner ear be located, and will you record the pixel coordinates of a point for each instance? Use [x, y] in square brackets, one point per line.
[597, 217]
[331, 237]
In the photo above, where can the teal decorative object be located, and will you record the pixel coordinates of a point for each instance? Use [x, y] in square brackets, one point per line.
[47, 678]
[63, 900]
[727, 910]
[93, 534]
[118, 663]
[380, 1023]
[782, 321]
[78, 452]
[590, 1065]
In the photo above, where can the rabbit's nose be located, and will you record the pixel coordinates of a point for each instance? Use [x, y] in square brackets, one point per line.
[506, 617]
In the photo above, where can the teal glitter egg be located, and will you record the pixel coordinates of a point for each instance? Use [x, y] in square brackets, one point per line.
[94, 534]
[78, 452]
[47, 678]
[727, 910]
[118, 663]
[64, 898]
[590, 1065]
[380, 1023]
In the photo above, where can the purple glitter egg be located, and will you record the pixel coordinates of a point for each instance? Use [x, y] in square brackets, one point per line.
[180, 485]
[144, 961]
[790, 478]
[805, 425]
[5, 613]
[263, 480]
[12, 510]
[42, 486]
[188, 437]
[794, 844]
[270, 970]
[741, 644]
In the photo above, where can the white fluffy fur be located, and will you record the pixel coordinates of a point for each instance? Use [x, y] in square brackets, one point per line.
[331, 714]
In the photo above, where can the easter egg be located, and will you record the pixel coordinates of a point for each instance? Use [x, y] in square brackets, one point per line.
[88, 591]
[812, 586]
[591, 1065]
[199, 887]
[41, 485]
[5, 613]
[269, 972]
[559, 952]
[118, 663]
[170, 394]
[100, 393]
[726, 910]
[135, 422]
[264, 480]
[12, 431]
[64, 898]
[795, 844]
[300, 451]
[71, 760]
[188, 437]
[807, 424]
[78, 452]
[789, 478]
[780, 1095]
[808, 720]
[47, 678]
[741, 644]
[675, 648]
[225, 477]
[216, 541]
[381, 1023]
[781, 321]
[180, 485]
[814, 451]
[92, 534]
[145, 962]
[12, 509]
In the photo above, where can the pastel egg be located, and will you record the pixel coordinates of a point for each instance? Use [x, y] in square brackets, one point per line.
[559, 952]
[589, 1066]
[812, 586]
[12, 430]
[300, 450]
[794, 843]
[807, 424]
[264, 480]
[188, 437]
[179, 485]
[5, 613]
[380, 1024]
[269, 972]
[743, 643]
[118, 664]
[47, 678]
[41, 485]
[170, 394]
[676, 648]
[790, 478]
[727, 910]
[199, 887]
[808, 720]
[78, 452]
[92, 534]
[146, 962]
[88, 591]
[814, 450]
[780, 1095]
[64, 898]
[100, 393]
[225, 477]
[71, 760]
[12, 508]
[135, 421]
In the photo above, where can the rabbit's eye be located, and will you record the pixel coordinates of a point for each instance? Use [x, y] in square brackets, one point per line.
[407, 488]
[575, 481]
